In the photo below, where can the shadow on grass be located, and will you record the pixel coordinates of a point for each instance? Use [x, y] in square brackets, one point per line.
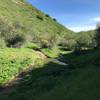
[80, 59]
[44, 79]
[38, 81]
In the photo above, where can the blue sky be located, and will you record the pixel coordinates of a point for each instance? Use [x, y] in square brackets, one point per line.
[77, 15]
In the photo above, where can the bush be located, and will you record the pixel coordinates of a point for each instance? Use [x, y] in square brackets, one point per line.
[71, 44]
[47, 15]
[15, 41]
[83, 42]
[39, 17]
[97, 37]
[2, 43]
[48, 40]
[54, 19]
[31, 46]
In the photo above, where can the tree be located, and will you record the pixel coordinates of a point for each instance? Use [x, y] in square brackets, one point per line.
[16, 41]
[12, 33]
[67, 41]
[48, 40]
[83, 42]
[97, 37]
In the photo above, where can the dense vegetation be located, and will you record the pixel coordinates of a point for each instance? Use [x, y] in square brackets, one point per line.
[35, 43]
[13, 61]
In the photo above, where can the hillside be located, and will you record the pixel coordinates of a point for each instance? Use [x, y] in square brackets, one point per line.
[25, 19]
[19, 12]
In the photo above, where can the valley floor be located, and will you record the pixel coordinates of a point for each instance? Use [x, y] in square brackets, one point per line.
[78, 78]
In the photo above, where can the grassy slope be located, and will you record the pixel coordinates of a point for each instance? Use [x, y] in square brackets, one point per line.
[24, 14]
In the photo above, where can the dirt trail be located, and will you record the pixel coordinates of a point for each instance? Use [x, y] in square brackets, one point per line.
[10, 87]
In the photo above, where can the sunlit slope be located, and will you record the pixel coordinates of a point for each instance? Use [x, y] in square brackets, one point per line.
[32, 19]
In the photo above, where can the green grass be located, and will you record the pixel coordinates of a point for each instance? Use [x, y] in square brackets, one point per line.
[52, 53]
[31, 46]
[55, 52]
[82, 84]
[13, 61]
[78, 81]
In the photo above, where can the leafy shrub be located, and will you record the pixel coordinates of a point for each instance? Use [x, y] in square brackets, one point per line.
[97, 37]
[71, 44]
[52, 53]
[54, 19]
[39, 17]
[13, 61]
[31, 45]
[2, 43]
[47, 15]
[48, 40]
[15, 41]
